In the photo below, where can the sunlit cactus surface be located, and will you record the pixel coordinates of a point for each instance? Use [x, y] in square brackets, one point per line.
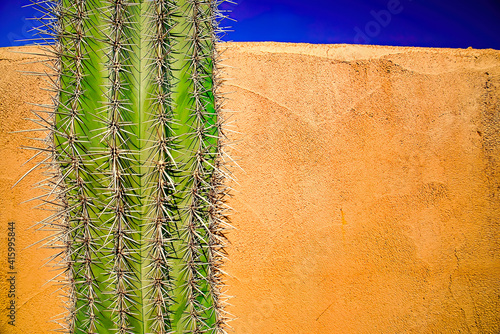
[135, 172]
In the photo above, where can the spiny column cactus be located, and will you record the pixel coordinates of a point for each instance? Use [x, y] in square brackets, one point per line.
[135, 151]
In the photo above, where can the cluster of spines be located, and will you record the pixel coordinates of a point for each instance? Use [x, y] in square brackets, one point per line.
[204, 131]
[218, 209]
[119, 157]
[193, 213]
[160, 231]
[75, 183]
[83, 242]
[68, 191]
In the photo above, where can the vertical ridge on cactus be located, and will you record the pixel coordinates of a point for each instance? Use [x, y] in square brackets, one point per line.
[135, 168]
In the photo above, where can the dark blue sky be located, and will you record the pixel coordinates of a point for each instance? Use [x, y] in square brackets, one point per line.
[456, 24]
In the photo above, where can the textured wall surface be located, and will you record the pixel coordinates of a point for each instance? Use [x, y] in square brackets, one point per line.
[36, 303]
[368, 199]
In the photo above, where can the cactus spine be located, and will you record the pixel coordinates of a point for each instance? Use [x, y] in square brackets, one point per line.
[136, 176]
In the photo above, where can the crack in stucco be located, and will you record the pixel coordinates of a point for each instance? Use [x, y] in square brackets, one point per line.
[450, 284]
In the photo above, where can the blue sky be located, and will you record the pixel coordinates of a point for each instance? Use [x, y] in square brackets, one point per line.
[456, 24]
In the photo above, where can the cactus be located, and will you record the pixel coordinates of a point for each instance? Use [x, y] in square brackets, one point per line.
[135, 150]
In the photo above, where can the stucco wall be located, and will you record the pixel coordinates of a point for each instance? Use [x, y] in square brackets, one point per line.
[368, 199]
[369, 195]
[36, 301]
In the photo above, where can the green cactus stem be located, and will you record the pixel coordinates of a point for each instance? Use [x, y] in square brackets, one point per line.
[135, 149]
